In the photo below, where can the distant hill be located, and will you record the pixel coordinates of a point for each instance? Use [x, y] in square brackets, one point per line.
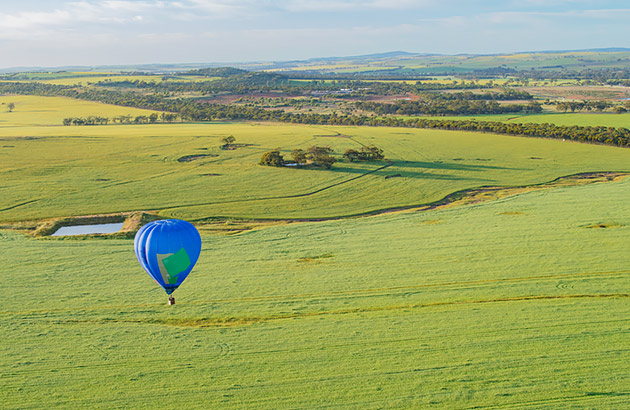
[393, 62]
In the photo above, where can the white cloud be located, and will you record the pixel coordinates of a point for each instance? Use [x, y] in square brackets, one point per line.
[72, 15]
[354, 5]
[512, 17]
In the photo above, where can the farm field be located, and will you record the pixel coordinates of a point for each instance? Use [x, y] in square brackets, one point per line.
[516, 303]
[101, 169]
[582, 119]
[461, 63]
[33, 112]
[464, 271]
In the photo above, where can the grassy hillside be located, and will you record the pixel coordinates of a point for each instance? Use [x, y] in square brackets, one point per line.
[463, 63]
[51, 171]
[518, 303]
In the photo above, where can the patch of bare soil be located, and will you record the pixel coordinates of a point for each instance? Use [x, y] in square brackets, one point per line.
[611, 93]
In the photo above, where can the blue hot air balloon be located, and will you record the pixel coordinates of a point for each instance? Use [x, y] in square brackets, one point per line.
[168, 250]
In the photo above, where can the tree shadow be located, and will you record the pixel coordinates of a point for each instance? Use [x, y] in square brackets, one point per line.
[406, 173]
[412, 169]
[453, 166]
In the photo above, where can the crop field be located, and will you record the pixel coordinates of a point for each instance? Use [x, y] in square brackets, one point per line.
[179, 169]
[47, 113]
[79, 78]
[465, 63]
[519, 302]
[558, 118]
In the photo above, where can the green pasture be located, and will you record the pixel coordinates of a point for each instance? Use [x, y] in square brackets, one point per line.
[32, 113]
[96, 79]
[79, 78]
[114, 168]
[583, 119]
[519, 303]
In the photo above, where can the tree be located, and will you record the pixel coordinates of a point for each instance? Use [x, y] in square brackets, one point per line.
[533, 108]
[351, 155]
[227, 141]
[320, 156]
[272, 159]
[299, 156]
[371, 153]
[10, 107]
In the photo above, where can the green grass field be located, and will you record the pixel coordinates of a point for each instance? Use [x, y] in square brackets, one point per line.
[32, 113]
[114, 168]
[520, 302]
[101, 169]
[515, 303]
[582, 119]
[85, 78]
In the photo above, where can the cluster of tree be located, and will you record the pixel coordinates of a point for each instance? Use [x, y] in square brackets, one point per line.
[574, 106]
[490, 72]
[215, 72]
[369, 153]
[245, 82]
[359, 76]
[122, 119]
[446, 107]
[91, 120]
[506, 94]
[315, 155]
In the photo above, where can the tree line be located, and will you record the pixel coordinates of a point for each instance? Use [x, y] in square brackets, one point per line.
[446, 107]
[195, 111]
[122, 119]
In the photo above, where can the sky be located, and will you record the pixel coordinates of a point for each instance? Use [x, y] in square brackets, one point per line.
[53, 33]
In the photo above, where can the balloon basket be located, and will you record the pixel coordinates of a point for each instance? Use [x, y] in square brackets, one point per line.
[171, 300]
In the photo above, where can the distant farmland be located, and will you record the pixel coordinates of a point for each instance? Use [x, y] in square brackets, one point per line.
[465, 270]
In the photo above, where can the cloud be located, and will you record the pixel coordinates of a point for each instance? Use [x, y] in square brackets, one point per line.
[511, 17]
[353, 5]
[73, 15]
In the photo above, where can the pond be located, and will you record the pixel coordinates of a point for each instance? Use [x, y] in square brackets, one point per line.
[88, 229]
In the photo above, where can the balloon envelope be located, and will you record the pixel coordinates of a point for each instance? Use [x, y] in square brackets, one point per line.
[168, 250]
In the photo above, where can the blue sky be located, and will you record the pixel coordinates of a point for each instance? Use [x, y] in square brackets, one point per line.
[98, 32]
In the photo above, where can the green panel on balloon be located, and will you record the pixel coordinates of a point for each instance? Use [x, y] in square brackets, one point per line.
[176, 263]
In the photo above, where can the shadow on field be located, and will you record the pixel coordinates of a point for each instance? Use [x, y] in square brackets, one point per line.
[406, 173]
[408, 169]
[451, 166]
